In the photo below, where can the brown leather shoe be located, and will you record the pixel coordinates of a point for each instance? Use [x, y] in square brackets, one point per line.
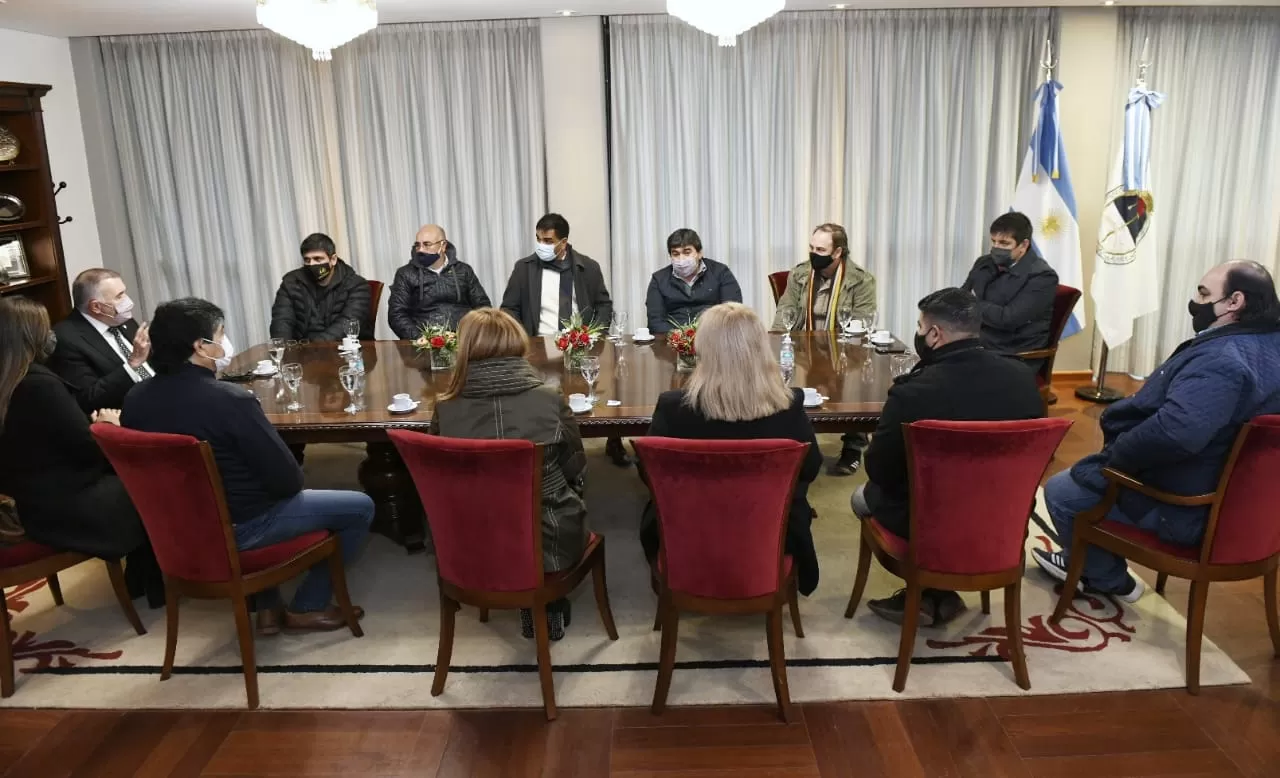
[269, 621]
[327, 620]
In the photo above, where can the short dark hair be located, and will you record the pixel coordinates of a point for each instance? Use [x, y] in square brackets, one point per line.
[318, 241]
[954, 310]
[175, 328]
[683, 237]
[839, 238]
[84, 289]
[556, 223]
[1014, 224]
[1261, 306]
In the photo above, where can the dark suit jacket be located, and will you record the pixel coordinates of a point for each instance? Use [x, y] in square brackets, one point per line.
[962, 381]
[523, 298]
[68, 498]
[672, 300]
[94, 370]
[1017, 304]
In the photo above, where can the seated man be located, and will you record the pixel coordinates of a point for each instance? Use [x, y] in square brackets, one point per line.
[1016, 289]
[434, 288]
[262, 480]
[816, 290]
[550, 285]
[691, 284]
[316, 301]
[957, 380]
[1176, 433]
[101, 351]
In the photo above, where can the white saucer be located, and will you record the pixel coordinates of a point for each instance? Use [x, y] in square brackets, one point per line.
[345, 349]
[586, 408]
[649, 339]
[817, 404]
[259, 374]
[874, 342]
[392, 409]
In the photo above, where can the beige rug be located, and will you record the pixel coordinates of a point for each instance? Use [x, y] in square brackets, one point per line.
[84, 655]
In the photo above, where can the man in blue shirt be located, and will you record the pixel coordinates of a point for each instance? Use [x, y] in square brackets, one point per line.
[1176, 433]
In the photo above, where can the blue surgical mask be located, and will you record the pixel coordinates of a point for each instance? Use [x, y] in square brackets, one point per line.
[546, 253]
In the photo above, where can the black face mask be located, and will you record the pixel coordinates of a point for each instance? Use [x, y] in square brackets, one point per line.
[46, 351]
[424, 258]
[320, 272]
[1002, 257]
[820, 262]
[1202, 315]
[923, 349]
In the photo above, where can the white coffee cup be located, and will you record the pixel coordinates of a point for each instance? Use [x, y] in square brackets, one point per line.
[577, 399]
[882, 336]
[266, 366]
[858, 326]
[349, 344]
[642, 333]
[402, 402]
[812, 396]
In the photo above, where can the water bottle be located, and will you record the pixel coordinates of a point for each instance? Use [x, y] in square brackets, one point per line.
[787, 359]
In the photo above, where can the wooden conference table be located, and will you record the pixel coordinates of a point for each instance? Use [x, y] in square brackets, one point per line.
[852, 375]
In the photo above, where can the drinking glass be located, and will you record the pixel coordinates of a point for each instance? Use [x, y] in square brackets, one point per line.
[590, 372]
[292, 374]
[275, 349]
[846, 319]
[618, 327]
[352, 328]
[788, 317]
[902, 364]
[351, 381]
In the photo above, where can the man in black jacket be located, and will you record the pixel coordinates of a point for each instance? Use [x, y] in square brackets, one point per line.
[316, 301]
[688, 286]
[957, 379]
[101, 352]
[434, 288]
[261, 478]
[547, 287]
[1015, 288]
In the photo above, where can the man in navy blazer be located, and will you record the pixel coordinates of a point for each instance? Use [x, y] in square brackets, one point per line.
[1176, 433]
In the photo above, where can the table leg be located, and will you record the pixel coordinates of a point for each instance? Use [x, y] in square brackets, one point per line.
[399, 511]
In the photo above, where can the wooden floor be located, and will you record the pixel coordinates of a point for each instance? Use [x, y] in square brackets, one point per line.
[1224, 732]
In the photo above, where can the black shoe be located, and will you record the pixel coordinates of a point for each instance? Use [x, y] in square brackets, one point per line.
[847, 464]
[559, 615]
[616, 452]
[892, 608]
[945, 605]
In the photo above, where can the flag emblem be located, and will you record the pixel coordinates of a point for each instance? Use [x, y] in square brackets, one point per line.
[1128, 215]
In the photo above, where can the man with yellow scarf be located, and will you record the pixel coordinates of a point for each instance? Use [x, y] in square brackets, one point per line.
[815, 291]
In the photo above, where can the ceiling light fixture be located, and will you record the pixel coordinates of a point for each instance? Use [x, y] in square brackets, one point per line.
[1108, 2]
[725, 19]
[839, 6]
[320, 25]
[565, 12]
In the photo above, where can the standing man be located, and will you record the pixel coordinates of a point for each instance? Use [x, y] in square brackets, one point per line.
[550, 285]
[815, 291]
[316, 301]
[1015, 288]
[690, 285]
[101, 351]
[434, 288]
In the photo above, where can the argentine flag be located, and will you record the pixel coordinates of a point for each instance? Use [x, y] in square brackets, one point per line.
[1045, 196]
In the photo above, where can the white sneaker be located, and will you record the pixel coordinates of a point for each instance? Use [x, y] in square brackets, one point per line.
[1135, 593]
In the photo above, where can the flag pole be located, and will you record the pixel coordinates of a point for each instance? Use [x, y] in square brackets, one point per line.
[1100, 392]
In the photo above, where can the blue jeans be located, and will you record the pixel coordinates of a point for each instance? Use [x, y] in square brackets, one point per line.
[1103, 570]
[346, 514]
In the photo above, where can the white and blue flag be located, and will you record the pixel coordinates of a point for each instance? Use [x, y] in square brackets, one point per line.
[1045, 196]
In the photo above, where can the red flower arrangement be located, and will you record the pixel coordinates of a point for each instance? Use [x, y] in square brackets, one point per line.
[436, 338]
[577, 337]
[681, 339]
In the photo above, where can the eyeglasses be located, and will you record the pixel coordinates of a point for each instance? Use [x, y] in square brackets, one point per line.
[429, 245]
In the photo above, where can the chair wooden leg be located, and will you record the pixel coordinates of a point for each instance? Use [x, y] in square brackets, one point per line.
[338, 580]
[484, 615]
[793, 604]
[1013, 627]
[986, 603]
[1161, 580]
[860, 580]
[116, 573]
[907, 643]
[1195, 632]
[1269, 602]
[778, 662]
[667, 659]
[444, 654]
[6, 652]
[55, 588]
[657, 614]
[170, 628]
[601, 587]
[542, 637]
[1075, 570]
[244, 629]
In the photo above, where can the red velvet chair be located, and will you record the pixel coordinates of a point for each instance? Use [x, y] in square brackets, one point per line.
[30, 561]
[375, 299]
[1064, 302]
[483, 500]
[1241, 540]
[965, 535]
[778, 284]
[722, 512]
[175, 485]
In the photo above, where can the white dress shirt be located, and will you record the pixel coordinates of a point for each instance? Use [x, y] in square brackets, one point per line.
[105, 332]
[549, 320]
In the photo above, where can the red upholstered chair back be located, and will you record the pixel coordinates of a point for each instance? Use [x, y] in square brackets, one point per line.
[1246, 524]
[778, 283]
[174, 483]
[722, 507]
[483, 502]
[375, 298]
[973, 485]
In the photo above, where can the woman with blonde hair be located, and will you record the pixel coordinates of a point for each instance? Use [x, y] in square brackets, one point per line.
[736, 392]
[496, 393]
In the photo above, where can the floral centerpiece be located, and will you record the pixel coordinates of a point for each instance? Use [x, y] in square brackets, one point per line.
[576, 339]
[680, 339]
[441, 342]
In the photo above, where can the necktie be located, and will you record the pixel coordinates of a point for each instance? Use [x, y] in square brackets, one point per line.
[127, 350]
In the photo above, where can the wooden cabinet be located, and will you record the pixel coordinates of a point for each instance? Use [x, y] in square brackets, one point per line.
[28, 179]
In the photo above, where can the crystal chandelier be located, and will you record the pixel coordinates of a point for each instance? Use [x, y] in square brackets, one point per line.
[320, 25]
[725, 19]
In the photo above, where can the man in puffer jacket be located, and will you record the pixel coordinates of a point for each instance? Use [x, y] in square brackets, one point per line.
[317, 300]
[434, 288]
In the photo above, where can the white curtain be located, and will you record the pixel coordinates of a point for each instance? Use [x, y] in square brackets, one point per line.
[236, 145]
[907, 127]
[1215, 152]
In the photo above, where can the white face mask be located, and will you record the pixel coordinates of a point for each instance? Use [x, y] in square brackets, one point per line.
[684, 267]
[228, 351]
[123, 311]
[546, 253]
